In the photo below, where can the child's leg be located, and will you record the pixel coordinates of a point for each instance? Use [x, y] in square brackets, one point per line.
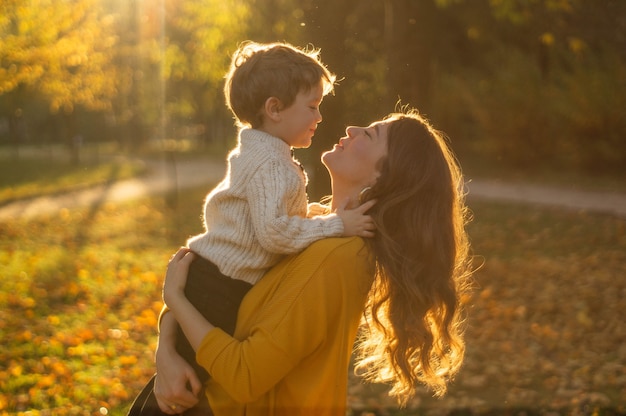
[139, 408]
[217, 298]
[145, 404]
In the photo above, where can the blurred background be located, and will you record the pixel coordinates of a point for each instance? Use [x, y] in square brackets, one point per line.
[523, 84]
[100, 93]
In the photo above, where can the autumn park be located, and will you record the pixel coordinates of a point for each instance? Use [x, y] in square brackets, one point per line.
[98, 93]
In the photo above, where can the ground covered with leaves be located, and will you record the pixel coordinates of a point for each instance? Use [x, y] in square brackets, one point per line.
[546, 333]
[80, 295]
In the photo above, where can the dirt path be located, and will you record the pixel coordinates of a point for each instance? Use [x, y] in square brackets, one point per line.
[162, 177]
[602, 202]
[165, 175]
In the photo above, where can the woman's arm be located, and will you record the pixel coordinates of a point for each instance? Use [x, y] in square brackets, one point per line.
[174, 374]
[193, 324]
[288, 316]
[301, 301]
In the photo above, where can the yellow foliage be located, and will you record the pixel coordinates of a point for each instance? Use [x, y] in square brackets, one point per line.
[128, 360]
[58, 51]
[15, 370]
[576, 45]
[547, 39]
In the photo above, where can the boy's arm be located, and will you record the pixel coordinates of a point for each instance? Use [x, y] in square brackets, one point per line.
[273, 189]
[278, 210]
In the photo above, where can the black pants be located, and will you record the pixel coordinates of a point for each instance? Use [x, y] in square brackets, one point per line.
[145, 404]
[217, 298]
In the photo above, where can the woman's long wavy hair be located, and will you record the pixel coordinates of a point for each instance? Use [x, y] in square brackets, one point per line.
[413, 322]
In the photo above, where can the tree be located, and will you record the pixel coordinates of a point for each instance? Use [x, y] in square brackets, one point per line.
[199, 40]
[57, 51]
[545, 80]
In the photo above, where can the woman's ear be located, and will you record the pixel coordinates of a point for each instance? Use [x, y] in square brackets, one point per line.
[272, 108]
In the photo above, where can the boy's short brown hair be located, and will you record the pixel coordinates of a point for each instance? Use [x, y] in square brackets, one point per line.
[260, 71]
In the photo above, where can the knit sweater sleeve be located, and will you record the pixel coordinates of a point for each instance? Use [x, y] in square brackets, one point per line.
[279, 219]
[288, 316]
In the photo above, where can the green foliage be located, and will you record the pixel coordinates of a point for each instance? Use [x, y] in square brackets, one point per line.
[511, 111]
[201, 35]
[593, 112]
[200, 38]
[569, 119]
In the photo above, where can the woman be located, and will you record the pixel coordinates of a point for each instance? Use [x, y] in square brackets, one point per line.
[295, 330]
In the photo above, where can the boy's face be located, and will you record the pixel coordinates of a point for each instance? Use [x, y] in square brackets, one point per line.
[298, 121]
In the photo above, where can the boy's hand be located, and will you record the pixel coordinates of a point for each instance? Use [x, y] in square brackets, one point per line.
[356, 222]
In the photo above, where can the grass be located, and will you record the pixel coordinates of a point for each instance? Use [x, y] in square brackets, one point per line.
[80, 295]
[545, 333]
[27, 178]
[79, 299]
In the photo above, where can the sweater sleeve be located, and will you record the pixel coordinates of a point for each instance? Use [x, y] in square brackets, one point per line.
[272, 193]
[305, 298]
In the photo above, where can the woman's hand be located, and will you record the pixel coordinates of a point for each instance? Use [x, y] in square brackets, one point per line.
[174, 376]
[170, 385]
[176, 277]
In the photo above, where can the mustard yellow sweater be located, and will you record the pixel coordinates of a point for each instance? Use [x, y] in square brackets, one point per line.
[295, 332]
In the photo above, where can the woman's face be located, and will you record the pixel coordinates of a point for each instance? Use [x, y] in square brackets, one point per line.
[354, 161]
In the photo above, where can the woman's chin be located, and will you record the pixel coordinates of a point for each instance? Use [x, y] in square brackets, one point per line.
[328, 157]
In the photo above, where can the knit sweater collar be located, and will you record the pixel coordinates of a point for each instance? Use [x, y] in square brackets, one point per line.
[253, 137]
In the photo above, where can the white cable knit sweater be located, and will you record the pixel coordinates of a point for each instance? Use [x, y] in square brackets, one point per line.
[258, 213]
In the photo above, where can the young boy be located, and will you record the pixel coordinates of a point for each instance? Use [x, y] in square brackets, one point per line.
[259, 212]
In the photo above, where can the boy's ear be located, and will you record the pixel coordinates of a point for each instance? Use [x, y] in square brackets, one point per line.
[272, 108]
